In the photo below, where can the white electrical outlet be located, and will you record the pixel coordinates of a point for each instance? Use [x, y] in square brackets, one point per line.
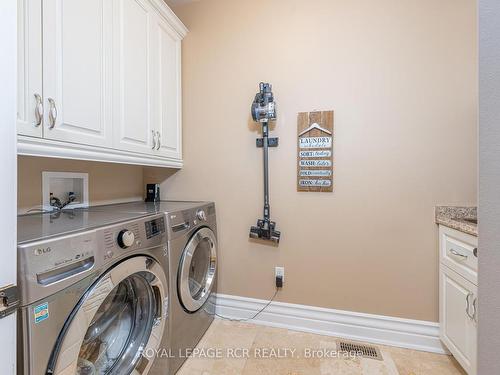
[280, 271]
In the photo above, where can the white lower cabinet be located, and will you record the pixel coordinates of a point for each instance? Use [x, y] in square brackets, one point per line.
[106, 84]
[458, 298]
[459, 318]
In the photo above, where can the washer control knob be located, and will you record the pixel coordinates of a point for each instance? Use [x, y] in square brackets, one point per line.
[125, 238]
[201, 215]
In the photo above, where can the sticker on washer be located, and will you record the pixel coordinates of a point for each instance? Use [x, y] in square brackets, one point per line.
[41, 312]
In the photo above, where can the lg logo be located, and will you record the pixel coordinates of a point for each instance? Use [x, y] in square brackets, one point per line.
[41, 251]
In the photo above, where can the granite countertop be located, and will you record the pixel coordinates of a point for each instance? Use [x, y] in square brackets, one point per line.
[463, 219]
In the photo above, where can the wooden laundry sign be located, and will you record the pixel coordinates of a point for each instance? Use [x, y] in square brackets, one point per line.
[315, 151]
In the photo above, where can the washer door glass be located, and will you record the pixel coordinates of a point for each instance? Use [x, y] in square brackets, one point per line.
[122, 315]
[197, 269]
[120, 328]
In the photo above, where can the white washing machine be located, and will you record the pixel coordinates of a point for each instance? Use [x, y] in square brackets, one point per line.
[94, 293]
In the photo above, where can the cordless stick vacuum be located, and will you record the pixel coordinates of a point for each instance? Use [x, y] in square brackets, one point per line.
[264, 111]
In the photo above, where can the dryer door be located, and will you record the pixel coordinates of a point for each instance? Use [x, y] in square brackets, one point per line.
[196, 274]
[120, 318]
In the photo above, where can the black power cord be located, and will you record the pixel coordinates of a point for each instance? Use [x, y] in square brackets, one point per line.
[256, 314]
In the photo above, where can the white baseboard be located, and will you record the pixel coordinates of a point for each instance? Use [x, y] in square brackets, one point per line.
[377, 329]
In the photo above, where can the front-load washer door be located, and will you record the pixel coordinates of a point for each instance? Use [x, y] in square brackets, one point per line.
[117, 323]
[196, 275]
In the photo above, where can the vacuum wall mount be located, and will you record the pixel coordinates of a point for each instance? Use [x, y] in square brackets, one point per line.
[264, 111]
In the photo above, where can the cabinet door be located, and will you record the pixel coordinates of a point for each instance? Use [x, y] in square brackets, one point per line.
[29, 79]
[77, 40]
[167, 98]
[132, 76]
[458, 318]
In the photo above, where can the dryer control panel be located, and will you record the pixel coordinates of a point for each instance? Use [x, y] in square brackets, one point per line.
[180, 222]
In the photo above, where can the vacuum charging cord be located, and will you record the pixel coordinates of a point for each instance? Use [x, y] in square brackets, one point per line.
[255, 315]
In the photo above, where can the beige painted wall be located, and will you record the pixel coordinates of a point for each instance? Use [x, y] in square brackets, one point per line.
[401, 77]
[107, 182]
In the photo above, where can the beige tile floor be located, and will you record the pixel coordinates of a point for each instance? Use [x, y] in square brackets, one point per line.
[217, 355]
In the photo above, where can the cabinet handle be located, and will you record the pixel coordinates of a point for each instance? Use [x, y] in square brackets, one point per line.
[154, 139]
[474, 315]
[475, 252]
[456, 253]
[159, 141]
[52, 113]
[467, 306]
[38, 110]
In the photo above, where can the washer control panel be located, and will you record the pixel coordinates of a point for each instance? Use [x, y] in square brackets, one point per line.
[125, 238]
[143, 233]
[48, 266]
[155, 227]
[121, 237]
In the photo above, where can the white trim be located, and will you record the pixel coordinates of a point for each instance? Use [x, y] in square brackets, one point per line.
[170, 16]
[378, 329]
[8, 186]
[31, 146]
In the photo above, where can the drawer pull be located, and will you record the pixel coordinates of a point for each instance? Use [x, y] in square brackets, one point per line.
[475, 252]
[179, 227]
[467, 306]
[474, 315]
[154, 139]
[457, 254]
[51, 277]
[52, 113]
[38, 110]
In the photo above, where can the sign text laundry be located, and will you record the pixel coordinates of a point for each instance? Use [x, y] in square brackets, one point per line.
[315, 142]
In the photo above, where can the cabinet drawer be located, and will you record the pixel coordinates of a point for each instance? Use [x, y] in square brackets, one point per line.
[458, 251]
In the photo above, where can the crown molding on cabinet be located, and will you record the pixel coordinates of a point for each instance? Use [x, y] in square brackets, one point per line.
[170, 16]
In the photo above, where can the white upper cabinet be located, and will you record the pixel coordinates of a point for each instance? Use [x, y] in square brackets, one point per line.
[167, 72]
[29, 90]
[133, 75]
[77, 38]
[110, 86]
